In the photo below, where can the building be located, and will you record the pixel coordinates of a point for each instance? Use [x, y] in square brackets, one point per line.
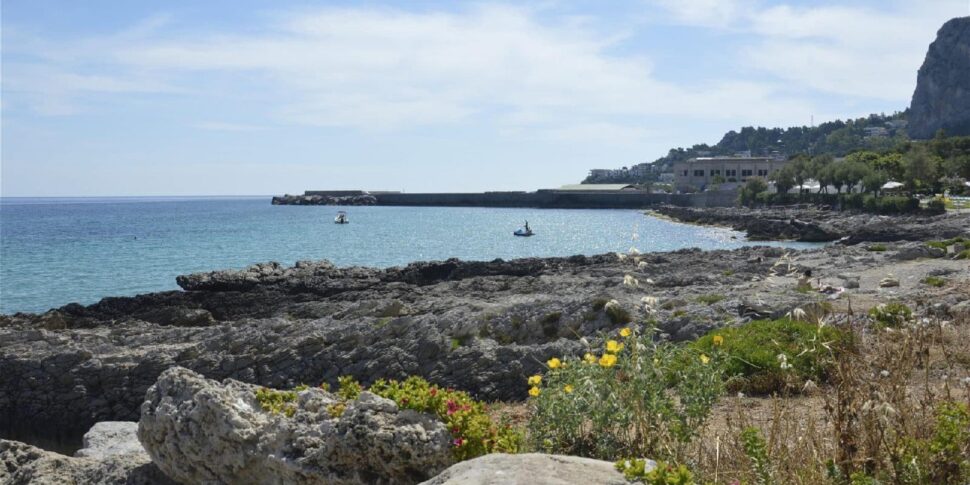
[698, 174]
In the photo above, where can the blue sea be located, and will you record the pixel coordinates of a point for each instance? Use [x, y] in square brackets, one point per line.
[54, 251]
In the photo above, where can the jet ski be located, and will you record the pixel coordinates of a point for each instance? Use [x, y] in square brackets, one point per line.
[341, 218]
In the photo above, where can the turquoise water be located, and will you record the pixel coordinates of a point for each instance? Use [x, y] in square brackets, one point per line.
[57, 251]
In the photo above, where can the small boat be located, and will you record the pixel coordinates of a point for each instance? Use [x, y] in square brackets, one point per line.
[523, 232]
[341, 218]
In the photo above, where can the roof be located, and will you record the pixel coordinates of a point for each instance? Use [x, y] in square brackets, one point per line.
[596, 187]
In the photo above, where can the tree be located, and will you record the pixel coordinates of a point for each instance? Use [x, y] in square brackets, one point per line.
[749, 193]
[851, 172]
[784, 178]
[874, 181]
[921, 168]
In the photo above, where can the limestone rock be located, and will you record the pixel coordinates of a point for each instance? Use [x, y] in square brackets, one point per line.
[942, 96]
[21, 463]
[530, 469]
[110, 438]
[197, 430]
[889, 282]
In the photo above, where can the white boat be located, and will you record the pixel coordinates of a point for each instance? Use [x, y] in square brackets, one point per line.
[341, 218]
[525, 231]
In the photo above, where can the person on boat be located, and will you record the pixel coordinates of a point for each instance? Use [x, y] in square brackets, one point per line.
[527, 227]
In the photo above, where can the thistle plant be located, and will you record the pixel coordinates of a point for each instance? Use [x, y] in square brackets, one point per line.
[635, 397]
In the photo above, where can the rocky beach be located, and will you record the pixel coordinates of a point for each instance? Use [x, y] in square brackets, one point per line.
[481, 327]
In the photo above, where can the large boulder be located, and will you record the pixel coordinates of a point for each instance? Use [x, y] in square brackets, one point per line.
[532, 468]
[21, 463]
[200, 431]
[942, 96]
[111, 438]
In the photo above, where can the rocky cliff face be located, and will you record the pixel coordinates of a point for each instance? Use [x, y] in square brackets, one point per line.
[942, 97]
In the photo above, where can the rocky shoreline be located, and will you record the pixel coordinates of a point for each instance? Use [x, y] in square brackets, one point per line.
[812, 224]
[475, 326]
[353, 200]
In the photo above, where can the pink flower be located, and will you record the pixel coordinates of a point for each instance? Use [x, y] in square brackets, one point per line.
[452, 407]
[458, 442]
[433, 391]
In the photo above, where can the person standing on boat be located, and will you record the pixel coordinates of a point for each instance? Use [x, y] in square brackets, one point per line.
[527, 227]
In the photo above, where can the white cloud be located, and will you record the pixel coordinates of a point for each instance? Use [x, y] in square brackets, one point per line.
[851, 50]
[389, 69]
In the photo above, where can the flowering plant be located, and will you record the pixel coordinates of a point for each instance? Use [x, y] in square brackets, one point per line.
[635, 397]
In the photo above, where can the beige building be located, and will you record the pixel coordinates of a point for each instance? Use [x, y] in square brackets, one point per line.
[698, 174]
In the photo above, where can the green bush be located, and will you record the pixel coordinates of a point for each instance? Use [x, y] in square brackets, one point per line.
[935, 281]
[947, 242]
[878, 248]
[277, 402]
[944, 457]
[756, 450]
[637, 398]
[892, 314]
[473, 431]
[762, 357]
[664, 474]
[936, 206]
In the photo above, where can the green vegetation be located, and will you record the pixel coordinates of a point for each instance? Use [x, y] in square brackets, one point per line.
[277, 402]
[710, 299]
[878, 248]
[756, 450]
[768, 356]
[664, 474]
[473, 431]
[948, 242]
[892, 314]
[935, 281]
[636, 398]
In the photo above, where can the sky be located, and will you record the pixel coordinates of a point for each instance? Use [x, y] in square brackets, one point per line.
[103, 98]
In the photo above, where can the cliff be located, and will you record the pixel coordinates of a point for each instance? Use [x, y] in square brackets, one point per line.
[942, 96]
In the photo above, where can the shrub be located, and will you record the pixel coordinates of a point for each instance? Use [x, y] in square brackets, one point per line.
[277, 402]
[762, 356]
[473, 431]
[937, 206]
[934, 281]
[891, 314]
[637, 398]
[663, 474]
[878, 248]
[965, 254]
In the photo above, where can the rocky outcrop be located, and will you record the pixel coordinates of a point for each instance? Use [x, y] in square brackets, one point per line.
[112, 455]
[808, 224]
[200, 431]
[532, 468]
[324, 200]
[942, 96]
[482, 327]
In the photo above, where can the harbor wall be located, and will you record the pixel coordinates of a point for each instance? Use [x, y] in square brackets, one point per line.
[559, 199]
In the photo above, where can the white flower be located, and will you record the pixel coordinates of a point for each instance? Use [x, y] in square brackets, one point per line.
[783, 361]
[797, 314]
[629, 280]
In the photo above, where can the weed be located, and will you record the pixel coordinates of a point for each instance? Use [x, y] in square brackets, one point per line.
[935, 281]
[710, 299]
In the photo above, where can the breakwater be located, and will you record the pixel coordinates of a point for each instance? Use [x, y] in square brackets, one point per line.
[547, 199]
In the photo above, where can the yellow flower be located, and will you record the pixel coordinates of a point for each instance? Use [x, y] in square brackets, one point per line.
[568, 388]
[589, 358]
[718, 340]
[534, 391]
[625, 332]
[613, 346]
[705, 359]
[607, 360]
[554, 363]
[535, 380]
